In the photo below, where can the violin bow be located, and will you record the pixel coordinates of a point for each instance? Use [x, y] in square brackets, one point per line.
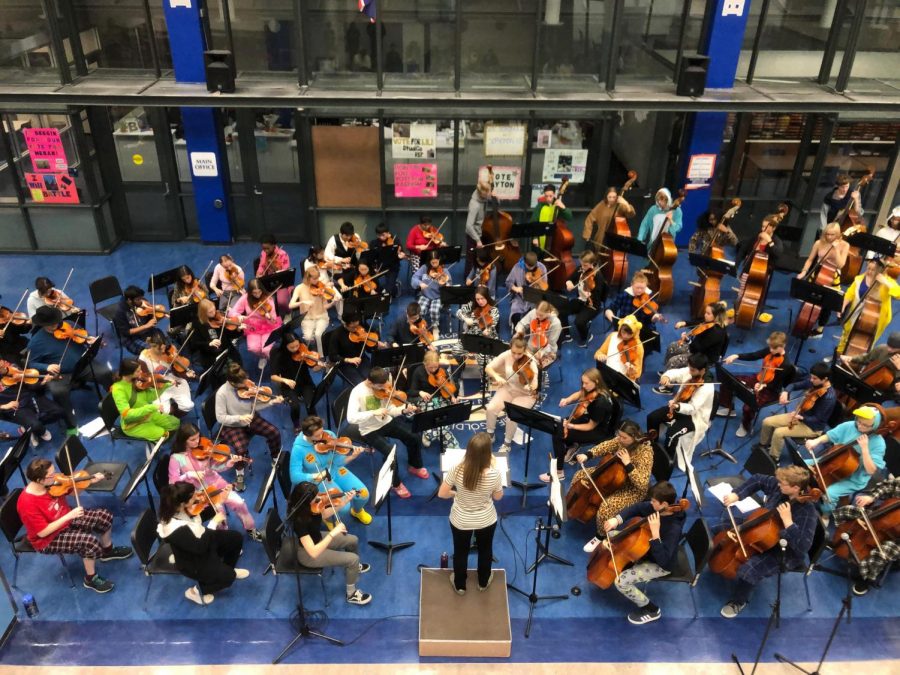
[643, 342]
[368, 333]
[362, 283]
[818, 472]
[178, 353]
[256, 397]
[18, 304]
[334, 510]
[203, 486]
[22, 381]
[550, 256]
[527, 357]
[545, 275]
[737, 530]
[262, 302]
[63, 289]
[197, 280]
[71, 471]
[641, 306]
[395, 380]
[449, 377]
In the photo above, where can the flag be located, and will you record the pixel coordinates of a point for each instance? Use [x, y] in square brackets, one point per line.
[368, 6]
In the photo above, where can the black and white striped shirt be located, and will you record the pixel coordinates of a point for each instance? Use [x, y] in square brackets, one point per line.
[473, 509]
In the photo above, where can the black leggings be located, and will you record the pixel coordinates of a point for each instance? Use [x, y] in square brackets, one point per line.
[484, 542]
[400, 429]
[681, 425]
[575, 436]
[218, 571]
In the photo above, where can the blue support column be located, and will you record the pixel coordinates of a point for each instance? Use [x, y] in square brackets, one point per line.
[202, 128]
[725, 34]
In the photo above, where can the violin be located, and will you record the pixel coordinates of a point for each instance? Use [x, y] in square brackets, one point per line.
[16, 376]
[523, 368]
[398, 398]
[209, 496]
[7, 317]
[196, 291]
[365, 283]
[66, 331]
[878, 525]
[663, 254]
[483, 317]
[537, 279]
[342, 445]
[581, 407]
[439, 275]
[219, 453]
[178, 364]
[434, 235]
[708, 287]
[235, 278]
[699, 329]
[755, 278]
[588, 283]
[306, 355]
[319, 289]
[539, 328]
[628, 353]
[484, 276]
[771, 364]
[420, 329]
[334, 496]
[59, 300]
[146, 310]
[230, 322]
[360, 335]
[144, 380]
[442, 383]
[329, 266]
[263, 307]
[760, 532]
[686, 392]
[249, 390]
[644, 303]
[63, 484]
[617, 270]
[357, 244]
[627, 546]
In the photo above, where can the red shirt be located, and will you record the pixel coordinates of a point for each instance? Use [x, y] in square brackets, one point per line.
[417, 238]
[37, 512]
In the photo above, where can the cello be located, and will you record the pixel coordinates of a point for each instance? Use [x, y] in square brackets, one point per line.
[616, 269]
[864, 318]
[662, 255]
[822, 275]
[755, 276]
[866, 534]
[561, 246]
[708, 288]
[497, 230]
[851, 223]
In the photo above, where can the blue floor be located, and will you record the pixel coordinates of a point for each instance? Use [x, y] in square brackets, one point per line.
[70, 621]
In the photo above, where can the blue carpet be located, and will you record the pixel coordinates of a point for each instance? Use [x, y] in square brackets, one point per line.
[71, 621]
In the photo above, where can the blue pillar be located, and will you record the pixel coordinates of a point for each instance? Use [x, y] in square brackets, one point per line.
[726, 26]
[202, 128]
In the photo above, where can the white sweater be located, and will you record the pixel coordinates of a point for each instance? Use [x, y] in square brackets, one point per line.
[363, 406]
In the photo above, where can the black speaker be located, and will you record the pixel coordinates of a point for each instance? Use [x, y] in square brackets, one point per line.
[692, 78]
[219, 70]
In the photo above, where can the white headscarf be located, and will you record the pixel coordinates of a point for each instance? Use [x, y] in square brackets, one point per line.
[666, 192]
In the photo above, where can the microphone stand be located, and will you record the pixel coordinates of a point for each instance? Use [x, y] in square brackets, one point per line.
[304, 630]
[846, 608]
[774, 617]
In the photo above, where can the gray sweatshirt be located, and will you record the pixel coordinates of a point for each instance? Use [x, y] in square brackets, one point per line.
[230, 407]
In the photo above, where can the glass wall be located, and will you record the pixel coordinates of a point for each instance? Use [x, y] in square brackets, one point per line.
[114, 35]
[340, 44]
[25, 54]
[264, 34]
[498, 44]
[418, 43]
[877, 63]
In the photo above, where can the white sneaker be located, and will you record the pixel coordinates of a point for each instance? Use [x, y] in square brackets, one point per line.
[261, 363]
[504, 449]
[741, 431]
[35, 440]
[193, 594]
[591, 545]
[46, 436]
[725, 412]
[241, 573]
[359, 598]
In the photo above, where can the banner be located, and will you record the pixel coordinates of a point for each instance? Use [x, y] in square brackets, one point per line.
[415, 180]
[507, 140]
[507, 181]
[559, 164]
[46, 150]
[413, 141]
[52, 188]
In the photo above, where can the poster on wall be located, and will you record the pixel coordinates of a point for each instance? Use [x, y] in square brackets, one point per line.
[52, 188]
[415, 180]
[507, 181]
[559, 164]
[700, 171]
[46, 150]
[505, 140]
[413, 141]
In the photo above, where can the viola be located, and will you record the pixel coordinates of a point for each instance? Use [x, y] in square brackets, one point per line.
[879, 525]
[329, 266]
[627, 352]
[588, 283]
[319, 289]
[523, 368]
[357, 244]
[7, 317]
[760, 532]
[755, 278]
[663, 254]
[771, 364]
[699, 329]
[360, 335]
[616, 271]
[144, 380]
[209, 496]
[420, 329]
[235, 278]
[581, 407]
[218, 453]
[16, 376]
[539, 328]
[442, 383]
[196, 291]
[306, 355]
[627, 546]
[342, 445]
[561, 244]
[397, 398]
[66, 331]
[496, 228]
[249, 390]
[537, 279]
[63, 484]
[146, 310]
[230, 322]
[483, 317]
[708, 288]
[484, 276]
[644, 303]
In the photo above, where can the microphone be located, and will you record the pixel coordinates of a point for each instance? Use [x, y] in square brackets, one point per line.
[845, 537]
[783, 544]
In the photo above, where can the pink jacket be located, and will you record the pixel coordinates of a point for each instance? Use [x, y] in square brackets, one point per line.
[256, 323]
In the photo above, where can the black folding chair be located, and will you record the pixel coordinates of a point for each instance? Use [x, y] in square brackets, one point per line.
[73, 450]
[281, 556]
[109, 413]
[101, 290]
[143, 537]
[699, 541]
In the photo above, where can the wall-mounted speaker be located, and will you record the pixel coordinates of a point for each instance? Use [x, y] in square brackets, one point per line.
[219, 70]
[692, 78]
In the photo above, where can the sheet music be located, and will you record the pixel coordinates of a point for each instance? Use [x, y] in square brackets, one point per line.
[385, 476]
[93, 428]
[722, 490]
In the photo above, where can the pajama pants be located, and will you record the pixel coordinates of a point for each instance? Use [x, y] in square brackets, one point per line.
[641, 573]
[157, 426]
[239, 437]
[495, 407]
[80, 537]
[432, 310]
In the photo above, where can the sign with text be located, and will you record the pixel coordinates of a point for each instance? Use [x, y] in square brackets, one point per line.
[701, 168]
[204, 164]
[46, 150]
[52, 188]
[559, 164]
[413, 141]
[415, 180]
[507, 181]
[507, 140]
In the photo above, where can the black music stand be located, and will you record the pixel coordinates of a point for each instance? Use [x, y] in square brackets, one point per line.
[554, 499]
[706, 264]
[322, 391]
[532, 230]
[385, 479]
[869, 242]
[845, 381]
[456, 295]
[141, 475]
[627, 390]
[535, 295]
[215, 369]
[740, 391]
[628, 245]
[160, 282]
[182, 315]
[535, 420]
[438, 418]
[393, 357]
[85, 363]
[483, 346]
[284, 278]
[269, 483]
[449, 255]
[369, 305]
[822, 296]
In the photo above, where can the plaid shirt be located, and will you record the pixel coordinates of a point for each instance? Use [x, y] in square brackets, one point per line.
[871, 567]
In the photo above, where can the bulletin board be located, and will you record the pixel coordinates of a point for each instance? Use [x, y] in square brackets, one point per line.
[347, 166]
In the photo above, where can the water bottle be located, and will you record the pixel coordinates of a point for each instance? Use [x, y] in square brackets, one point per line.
[31, 608]
[445, 560]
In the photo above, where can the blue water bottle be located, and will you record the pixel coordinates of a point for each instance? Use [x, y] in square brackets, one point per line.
[31, 608]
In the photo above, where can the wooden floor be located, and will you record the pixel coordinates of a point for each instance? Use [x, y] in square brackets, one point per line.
[869, 667]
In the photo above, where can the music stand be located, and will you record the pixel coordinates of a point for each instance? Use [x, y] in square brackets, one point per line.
[535, 420]
[869, 242]
[483, 346]
[86, 362]
[369, 305]
[535, 295]
[392, 357]
[449, 254]
[141, 475]
[162, 281]
[845, 381]
[284, 278]
[383, 488]
[822, 296]
[532, 229]
[627, 390]
[554, 508]
[269, 483]
[322, 390]
[740, 391]
[206, 376]
[456, 295]
[706, 264]
[182, 315]
[628, 245]
[438, 418]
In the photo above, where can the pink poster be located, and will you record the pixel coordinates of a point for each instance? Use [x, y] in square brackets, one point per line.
[46, 150]
[415, 180]
[52, 188]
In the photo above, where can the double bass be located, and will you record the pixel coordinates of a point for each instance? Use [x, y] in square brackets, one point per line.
[662, 254]
[755, 276]
[876, 527]
[864, 319]
[497, 230]
[822, 275]
[616, 269]
[851, 223]
[561, 246]
[708, 288]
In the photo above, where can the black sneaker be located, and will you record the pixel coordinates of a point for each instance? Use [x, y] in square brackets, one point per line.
[364, 567]
[98, 584]
[663, 391]
[644, 615]
[116, 553]
[255, 535]
[566, 337]
[359, 598]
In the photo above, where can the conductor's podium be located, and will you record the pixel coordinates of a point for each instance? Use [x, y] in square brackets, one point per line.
[474, 624]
